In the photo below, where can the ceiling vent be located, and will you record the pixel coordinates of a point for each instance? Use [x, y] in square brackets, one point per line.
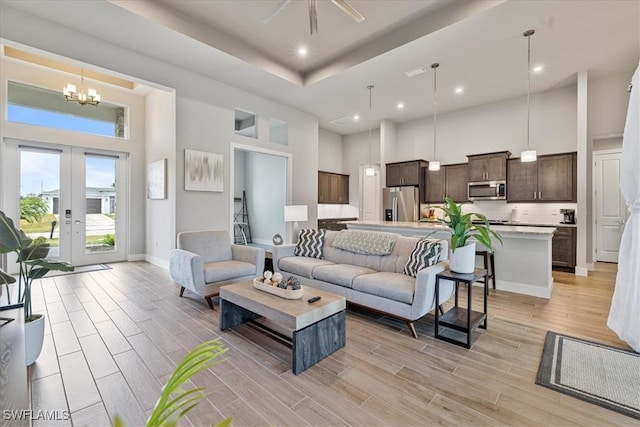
[415, 72]
[342, 120]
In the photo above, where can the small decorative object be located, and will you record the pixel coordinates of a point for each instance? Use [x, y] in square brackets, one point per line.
[268, 275]
[277, 240]
[203, 171]
[288, 289]
[461, 226]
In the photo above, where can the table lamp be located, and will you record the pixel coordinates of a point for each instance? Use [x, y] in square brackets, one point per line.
[295, 213]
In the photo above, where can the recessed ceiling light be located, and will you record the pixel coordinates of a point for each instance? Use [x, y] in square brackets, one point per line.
[400, 105]
[459, 89]
[538, 68]
[302, 51]
[356, 118]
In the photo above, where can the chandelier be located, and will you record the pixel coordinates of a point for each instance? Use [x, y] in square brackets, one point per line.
[91, 97]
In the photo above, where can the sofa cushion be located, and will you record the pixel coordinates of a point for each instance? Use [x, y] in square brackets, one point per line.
[310, 243]
[225, 270]
[395, 286]
[340, 274]
[302, 266]
[425, 254]
[365, 242]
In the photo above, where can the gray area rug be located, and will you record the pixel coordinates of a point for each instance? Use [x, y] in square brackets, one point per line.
[599, 374]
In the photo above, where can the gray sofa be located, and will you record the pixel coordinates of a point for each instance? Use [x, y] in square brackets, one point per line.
[206, 260]
[376, 282]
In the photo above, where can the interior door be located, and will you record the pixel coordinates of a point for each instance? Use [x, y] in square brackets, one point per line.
[370, 193]
[611, 212]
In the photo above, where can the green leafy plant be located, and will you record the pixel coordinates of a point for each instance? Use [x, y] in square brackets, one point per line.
[32, 258]
[32, 209]
[176, 401]
[462, 228]
[109, 240]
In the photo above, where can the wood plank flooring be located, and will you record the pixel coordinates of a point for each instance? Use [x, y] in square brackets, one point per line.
[114, 336]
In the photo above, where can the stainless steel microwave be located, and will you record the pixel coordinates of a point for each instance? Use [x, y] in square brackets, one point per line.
[488, 190]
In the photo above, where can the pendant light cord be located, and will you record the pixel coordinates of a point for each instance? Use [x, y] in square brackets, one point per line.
[528, 35]
[370, 87]
[435, 106]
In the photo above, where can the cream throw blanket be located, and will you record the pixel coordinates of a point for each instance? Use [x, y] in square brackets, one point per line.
[365, 242]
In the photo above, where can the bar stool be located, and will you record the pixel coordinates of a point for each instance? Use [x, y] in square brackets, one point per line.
[488, 260]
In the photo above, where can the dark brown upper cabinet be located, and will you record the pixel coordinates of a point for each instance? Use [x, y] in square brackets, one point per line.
[551, 178]
[457, 178]
[450, 180]
[488, 167]
[405, 173]
[434, 185]
[333, 188]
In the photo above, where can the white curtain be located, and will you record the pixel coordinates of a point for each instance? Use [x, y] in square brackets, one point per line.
[624, 317]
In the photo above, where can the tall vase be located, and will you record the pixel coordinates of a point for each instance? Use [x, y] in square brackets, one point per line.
[34, 337]
[463, 259]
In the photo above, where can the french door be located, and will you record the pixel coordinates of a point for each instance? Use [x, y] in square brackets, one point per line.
[73, 198]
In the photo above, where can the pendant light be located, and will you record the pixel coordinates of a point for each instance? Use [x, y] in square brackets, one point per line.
[434, 165]
[528, 155]
[369, 170]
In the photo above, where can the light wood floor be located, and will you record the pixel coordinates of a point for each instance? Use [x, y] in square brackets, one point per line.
[114, 336]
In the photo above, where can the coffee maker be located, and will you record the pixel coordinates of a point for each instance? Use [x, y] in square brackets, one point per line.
[569, 216]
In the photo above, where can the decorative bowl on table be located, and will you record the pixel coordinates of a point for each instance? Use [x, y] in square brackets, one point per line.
[275, 284]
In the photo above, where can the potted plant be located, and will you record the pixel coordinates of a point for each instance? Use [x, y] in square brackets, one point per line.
[462, 248]
[33, 264]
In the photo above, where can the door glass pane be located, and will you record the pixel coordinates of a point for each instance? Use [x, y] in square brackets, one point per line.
[40, 197]
[100, 204]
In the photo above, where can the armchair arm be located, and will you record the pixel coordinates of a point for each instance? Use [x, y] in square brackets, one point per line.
[424, 298]
[187, 270]
[282, 251]
[249, 254]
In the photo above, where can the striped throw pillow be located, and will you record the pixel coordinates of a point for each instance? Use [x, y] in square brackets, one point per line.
[310, 243]
[425, 253]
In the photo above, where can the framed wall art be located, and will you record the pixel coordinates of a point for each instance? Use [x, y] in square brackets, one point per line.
[203, 171]
[157, 179]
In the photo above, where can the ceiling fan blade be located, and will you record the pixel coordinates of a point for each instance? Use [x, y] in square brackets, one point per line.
[313, 16]
[346, 7]
[275, 11]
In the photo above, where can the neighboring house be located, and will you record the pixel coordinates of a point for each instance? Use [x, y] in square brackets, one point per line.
[98, 200]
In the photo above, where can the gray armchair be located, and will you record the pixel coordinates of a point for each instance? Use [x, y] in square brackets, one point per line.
[206, 260]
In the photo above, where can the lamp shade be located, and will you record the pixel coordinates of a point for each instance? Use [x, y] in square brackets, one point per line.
[434, 165]
[294, 213]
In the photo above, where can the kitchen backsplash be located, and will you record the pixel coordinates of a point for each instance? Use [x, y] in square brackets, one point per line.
[528, 213]
[326, 211]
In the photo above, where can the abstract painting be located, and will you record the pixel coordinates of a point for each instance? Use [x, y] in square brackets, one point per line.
[157, 179]
[203, 171]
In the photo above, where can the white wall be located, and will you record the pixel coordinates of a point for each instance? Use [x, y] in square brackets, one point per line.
[607, 105]
[204, 121]
[266, 182]
[492, 127]
[330, 152]
[355, 152]
[160, 143]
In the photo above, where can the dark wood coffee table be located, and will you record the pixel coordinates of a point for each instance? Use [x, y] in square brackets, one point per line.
[312, 330]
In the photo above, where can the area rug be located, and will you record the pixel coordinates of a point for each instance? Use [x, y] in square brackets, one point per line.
[599, 374]
[82, 269]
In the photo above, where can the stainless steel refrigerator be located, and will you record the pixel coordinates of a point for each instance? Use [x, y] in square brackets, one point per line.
[401, 204]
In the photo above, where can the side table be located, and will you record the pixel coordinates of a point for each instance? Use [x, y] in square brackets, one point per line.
[457, 318]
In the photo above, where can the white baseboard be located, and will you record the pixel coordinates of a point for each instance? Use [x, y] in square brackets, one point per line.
[159, 262]
[525, 289]
[135, 257]
[582, 271]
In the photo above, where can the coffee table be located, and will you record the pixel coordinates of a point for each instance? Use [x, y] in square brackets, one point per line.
[312, 330]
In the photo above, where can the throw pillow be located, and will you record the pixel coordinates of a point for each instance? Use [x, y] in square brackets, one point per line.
[425, 253]
[310, 243]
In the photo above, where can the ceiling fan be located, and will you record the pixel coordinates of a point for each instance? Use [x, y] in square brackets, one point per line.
[344, 5]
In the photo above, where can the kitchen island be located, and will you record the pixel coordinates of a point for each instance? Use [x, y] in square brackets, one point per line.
[523, 261]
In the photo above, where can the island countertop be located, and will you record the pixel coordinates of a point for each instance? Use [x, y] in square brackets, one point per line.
[504, 230]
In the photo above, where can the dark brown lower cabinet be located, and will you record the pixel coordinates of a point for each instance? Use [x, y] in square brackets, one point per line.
[563, 253]
[333, 223]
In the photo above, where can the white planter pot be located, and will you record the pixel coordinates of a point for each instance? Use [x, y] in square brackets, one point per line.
[34, 337]
[463, 260]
